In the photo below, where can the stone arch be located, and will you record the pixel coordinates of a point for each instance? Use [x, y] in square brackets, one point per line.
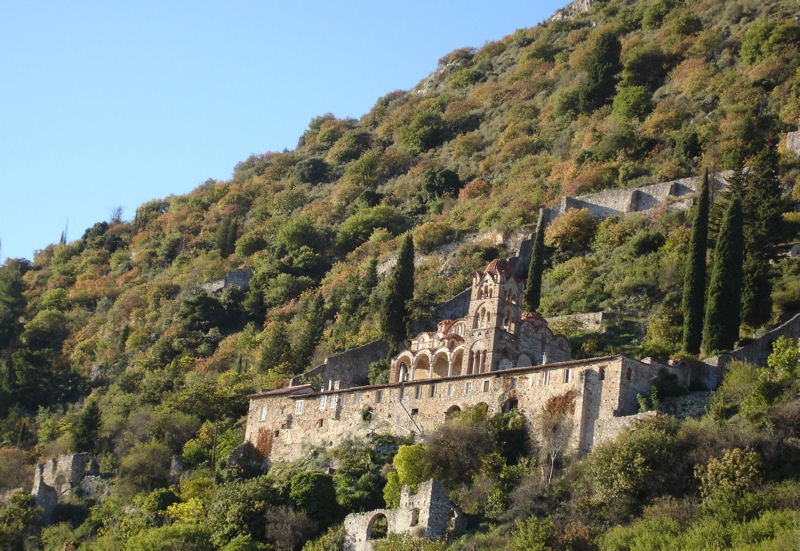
[378, 527]
[422, 368]
[457, 361]
[451, 411]
[441, 365]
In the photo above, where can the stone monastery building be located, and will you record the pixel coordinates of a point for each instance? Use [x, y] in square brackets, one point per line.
[497, 355]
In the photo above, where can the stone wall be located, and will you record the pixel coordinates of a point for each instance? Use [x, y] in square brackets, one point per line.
[426, 513]
[295, 422]
[673, 195]
[346, 369]
[59, 477]
[589, 322]
[609, 429]
[757, 351]
[793, 142]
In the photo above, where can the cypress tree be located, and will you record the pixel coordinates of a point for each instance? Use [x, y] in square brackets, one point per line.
[602, 66]
[721, 327]
[533, 286]
[762, 210]
[85, 431]
[394, 315]
[694, 283]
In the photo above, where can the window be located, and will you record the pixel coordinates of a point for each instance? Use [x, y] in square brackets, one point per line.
[319, 423]
[513, 383]
[344, 400]
[545, 378]
[414, 516]
[567, 375]
[486, 386]
[629, 374]
[276, 433]
[298, 407]
[262, 413]
[414, 411]
[323, 400]
[467, 389]
[334, 401]
[378, 396]
[418, 392]
[356, 398]
[449, 390]
[603, 373]
[433, 391]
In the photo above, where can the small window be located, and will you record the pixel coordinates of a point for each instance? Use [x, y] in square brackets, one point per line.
[319, 423]
[513, 383]
[449, 390]
[418, 392]
[414, 516]
[344, 400]
[567, 375]
[486, 386]
[323, 401]
[433, 391]
[298, 407]
[262, 413]
[545, 378]
[414, 411]
[467, 389]
[276, 434]
[378, 396]
[629, 374]
[334, 401]
[356, 398]
[603, 373]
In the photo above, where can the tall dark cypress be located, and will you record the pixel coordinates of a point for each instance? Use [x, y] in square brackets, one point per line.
[533, 286]
[694, 283]
[721, 327]
[762, 209]
[394, 315]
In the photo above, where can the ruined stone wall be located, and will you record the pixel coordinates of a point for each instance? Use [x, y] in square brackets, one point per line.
[59, 476]
[756, 352]
[587, 322]
[346, 369]
[610, 428]
[296, 424]
[676, 194]
[426, 513]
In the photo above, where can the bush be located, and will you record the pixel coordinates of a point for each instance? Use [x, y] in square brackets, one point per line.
[632, 102]
[571, 232]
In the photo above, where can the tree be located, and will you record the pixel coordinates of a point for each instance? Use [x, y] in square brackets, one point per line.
[394, 315]
[85, 431]
[226, 236]
[533, 286]
[602, 66]
[571, 232]
[721, 326]
[310, 334]
[694, 283]
[314, 493]
[761, 208]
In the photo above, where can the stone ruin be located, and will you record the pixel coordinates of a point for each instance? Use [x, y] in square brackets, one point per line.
[427, 513]
[62, 476]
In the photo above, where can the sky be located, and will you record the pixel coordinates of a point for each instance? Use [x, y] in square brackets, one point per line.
[109, 104]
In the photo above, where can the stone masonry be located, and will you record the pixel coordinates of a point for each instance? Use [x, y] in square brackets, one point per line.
[59, 477]
[426, 513]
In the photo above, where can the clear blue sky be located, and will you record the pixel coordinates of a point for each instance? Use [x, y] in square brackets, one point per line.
[106, 104]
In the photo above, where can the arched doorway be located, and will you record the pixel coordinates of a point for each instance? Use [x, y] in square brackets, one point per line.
[378, 527]
[452, 411]
[509, 404]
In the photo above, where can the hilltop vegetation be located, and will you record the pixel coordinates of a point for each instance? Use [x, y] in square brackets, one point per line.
[108, 344]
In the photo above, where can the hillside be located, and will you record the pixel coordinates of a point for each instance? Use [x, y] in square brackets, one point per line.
[114, 344]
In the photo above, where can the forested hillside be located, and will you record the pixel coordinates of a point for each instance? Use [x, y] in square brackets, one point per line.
[109, 344]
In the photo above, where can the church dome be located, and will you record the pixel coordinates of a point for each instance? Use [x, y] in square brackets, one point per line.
[499, 266]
